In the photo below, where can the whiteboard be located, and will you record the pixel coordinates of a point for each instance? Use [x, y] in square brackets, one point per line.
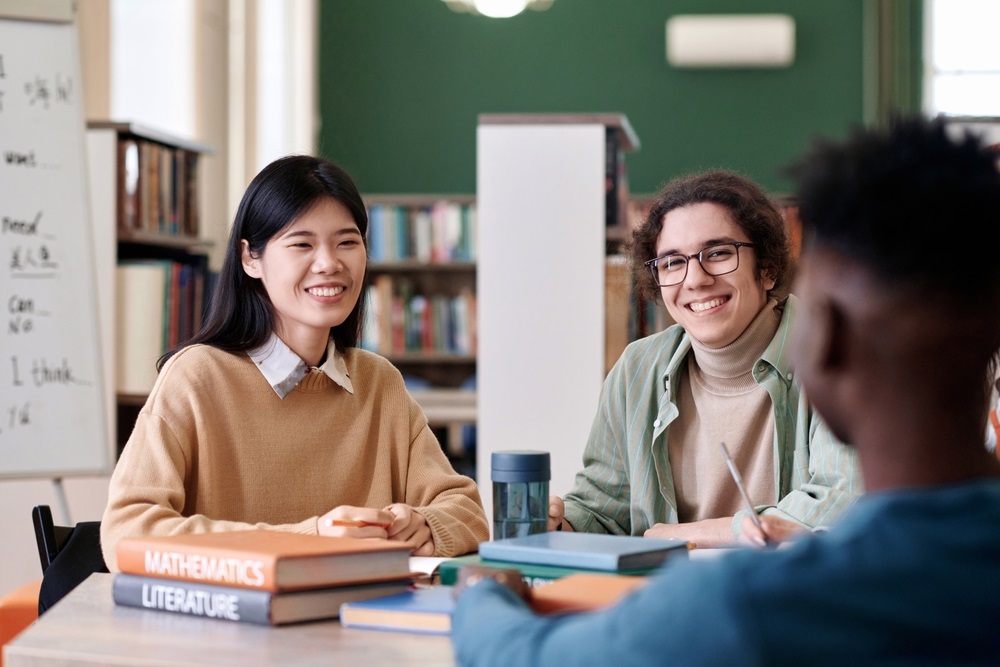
[52, 413]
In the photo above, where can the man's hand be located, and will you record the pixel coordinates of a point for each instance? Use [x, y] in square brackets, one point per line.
[776, 530]
[557, 514]
[709, 533]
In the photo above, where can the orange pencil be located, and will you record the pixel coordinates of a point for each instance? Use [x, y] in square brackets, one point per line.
[355, 523]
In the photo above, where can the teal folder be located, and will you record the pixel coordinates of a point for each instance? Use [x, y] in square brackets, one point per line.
[609, 553]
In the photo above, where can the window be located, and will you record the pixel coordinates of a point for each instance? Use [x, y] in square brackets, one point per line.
[962, 76]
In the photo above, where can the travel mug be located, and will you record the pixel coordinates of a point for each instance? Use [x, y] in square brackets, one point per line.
[520, 492]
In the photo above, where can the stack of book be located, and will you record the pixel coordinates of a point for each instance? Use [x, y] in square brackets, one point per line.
[428, 610]
[544, 557]
[257, 576]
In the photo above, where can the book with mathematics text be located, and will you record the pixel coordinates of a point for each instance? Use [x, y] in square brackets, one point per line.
[533, 575]
[243, 605]
[591, 551]
[425, 610]
[265, 559]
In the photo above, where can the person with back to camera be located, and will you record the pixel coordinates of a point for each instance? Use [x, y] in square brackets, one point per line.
[895, 344]
[271, 416]
[714, 249]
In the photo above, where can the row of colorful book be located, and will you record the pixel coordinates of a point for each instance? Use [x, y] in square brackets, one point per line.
[442, 232]
[401, 320]
[156, 186]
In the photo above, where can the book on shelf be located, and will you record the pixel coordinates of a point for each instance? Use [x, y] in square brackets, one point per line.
[405, 319]
[243, 605]
[584, 550]
[534, 575]
[425, 610]
[156, 181]
[438, 233]
[265, 559]
[129, 191]
[140, 320]
[158, 306]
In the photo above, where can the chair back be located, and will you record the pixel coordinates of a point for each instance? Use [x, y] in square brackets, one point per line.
[68, 555]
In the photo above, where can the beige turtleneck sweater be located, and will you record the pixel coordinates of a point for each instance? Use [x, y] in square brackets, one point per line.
[719, 400]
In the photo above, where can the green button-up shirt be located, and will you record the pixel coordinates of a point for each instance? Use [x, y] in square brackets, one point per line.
[626, 484]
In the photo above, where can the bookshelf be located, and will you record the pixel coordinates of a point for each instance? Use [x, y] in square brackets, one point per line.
[151, 263]
[422, 302]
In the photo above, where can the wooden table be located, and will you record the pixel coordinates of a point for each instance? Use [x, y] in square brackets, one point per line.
[87, 628]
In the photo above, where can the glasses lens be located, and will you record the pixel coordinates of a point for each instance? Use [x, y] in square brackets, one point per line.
[720, 259]
[670, 270]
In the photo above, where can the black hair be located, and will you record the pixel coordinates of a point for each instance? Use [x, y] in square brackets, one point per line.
[752, 210]
[917, 204]
[241, 316]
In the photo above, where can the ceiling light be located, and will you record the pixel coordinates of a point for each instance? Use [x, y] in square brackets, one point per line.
[497, 8]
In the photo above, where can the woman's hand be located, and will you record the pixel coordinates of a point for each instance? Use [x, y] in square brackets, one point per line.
[410, 527]
[347, 521]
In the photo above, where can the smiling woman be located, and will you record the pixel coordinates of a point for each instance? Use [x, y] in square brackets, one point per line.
[270, 416]
[314, 274]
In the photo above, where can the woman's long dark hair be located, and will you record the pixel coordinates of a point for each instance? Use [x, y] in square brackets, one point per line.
[240, 315]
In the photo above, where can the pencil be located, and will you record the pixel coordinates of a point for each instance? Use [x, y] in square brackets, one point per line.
[355, 523]
[743, 492]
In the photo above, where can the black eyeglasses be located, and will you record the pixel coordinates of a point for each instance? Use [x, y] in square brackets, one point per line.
[715, 260]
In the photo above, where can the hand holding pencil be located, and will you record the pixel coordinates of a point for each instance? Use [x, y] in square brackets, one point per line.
[348, 521]
[764, 531]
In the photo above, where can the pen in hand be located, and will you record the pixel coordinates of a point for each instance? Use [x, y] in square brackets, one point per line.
[356, 523]
[743, 492]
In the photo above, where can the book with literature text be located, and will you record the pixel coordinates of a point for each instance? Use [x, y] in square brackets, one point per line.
[265, 559]
[243, 605]
[591, 551]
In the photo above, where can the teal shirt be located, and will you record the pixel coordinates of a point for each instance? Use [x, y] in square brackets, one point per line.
[906, 577]
[626, 484]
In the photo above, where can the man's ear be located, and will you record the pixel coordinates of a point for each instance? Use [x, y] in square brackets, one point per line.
[768, 280]
[251, 265]
[831, 339]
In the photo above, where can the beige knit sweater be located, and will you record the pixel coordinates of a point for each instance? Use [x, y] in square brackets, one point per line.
[215, 449]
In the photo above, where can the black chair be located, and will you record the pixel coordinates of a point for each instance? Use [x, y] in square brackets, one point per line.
[68, 555]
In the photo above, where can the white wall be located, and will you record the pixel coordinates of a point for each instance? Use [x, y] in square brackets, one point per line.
[540, 290]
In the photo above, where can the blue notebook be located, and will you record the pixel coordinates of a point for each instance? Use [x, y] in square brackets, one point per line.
[593, 551]
[425, 610]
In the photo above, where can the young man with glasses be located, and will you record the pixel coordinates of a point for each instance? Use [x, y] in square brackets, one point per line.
[714, 249]
[895, 341]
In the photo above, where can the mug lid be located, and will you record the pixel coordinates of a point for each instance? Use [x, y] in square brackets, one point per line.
[520, 462]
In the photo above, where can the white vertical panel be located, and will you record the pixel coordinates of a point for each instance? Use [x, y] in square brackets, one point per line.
[152, 64]
[286, 78]
[540, 287]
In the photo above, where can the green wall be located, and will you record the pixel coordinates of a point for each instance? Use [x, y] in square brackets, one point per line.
[401, 83]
